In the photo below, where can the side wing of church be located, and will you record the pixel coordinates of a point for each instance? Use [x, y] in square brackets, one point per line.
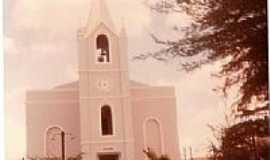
[104, 115]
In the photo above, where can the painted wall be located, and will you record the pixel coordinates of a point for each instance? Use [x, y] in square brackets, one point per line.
[160, 108]
[92, 97]
[45, 109]
[60, 107]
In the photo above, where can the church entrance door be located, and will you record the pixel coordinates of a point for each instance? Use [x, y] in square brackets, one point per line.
[108, 157]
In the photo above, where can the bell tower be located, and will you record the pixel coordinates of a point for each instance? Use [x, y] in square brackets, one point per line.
[105, 109]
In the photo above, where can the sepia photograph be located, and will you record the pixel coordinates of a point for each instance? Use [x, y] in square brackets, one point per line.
[136, 80]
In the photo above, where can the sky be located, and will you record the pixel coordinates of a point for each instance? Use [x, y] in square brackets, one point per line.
[41, 52]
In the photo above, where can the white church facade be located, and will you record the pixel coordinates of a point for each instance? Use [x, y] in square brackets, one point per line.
[104, 115]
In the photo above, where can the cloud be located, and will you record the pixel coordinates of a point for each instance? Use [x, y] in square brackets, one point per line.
[10, 46]
[60, 17]
[135, 14]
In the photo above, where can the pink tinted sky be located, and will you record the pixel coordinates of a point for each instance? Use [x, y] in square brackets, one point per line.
[40, 52]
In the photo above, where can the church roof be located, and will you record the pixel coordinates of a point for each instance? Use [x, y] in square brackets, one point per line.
[70, 85]
[137, 84]
[75, 85]
[99, 14]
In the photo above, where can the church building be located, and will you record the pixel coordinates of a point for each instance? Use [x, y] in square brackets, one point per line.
[104, 114]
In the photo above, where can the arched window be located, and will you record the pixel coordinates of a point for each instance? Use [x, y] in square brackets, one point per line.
[106, 120]
[153, 135]
[53, 142]
[103, 52]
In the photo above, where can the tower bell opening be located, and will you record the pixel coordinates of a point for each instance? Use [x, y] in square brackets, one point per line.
[102, 49]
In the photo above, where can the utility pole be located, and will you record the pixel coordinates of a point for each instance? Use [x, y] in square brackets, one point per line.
[190, 153]
[63, 135]
[185, 153]
[63, 144]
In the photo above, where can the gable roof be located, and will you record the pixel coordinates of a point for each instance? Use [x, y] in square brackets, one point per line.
[71, 85]
[75, 85]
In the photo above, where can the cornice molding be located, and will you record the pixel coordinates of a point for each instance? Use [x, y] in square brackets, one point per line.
[152, 98]
[101, 70]
[104, 97]
[106, 141]
[52, 102]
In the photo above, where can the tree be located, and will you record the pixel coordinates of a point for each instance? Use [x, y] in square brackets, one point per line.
[233, 32]
[242, 141]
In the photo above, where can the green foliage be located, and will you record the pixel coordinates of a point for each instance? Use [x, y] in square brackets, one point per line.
[243, 141]
[230, 31]
[151, 154]
[76, 157]
[44, 158]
